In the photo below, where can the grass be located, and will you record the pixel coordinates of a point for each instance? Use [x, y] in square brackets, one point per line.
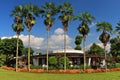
[12, 75]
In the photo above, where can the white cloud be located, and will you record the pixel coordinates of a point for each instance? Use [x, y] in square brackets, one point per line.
[59, 31]
[6, 37]
[56, 41]
[35, 42]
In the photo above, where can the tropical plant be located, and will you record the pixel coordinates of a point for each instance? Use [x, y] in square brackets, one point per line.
[115, 48]
[83, 29]
[2, 59]
[8, 47]
[66, 11]
[117, 30]
[78, 41]
[25, 51]
[53, 61]
[62, 60]
[50, 10]
[30, 11]
[106, 29]
[18, 27]
[96, 49]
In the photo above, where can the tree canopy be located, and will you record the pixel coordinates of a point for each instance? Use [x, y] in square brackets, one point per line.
[96, 49]
[25, 51]
[115, 46]
[8, 46]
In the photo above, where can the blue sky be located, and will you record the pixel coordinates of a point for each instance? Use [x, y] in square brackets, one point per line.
[102, 10]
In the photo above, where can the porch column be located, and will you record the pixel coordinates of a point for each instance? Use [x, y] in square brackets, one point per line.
[103, 61]
[89, 61]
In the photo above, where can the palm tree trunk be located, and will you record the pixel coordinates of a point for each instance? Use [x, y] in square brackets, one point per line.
[84, 45]
[28, 50]
[105, 59]
[17, 53]
[64, 51]
[47, 48]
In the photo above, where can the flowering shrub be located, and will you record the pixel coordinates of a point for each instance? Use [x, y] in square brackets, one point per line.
[68, 71]
[22, 70]
[115, 69]
[89, 71]
[8, 68]
[37, 70]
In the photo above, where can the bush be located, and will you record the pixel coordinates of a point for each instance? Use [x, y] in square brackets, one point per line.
[2, 59]
[53, 60]
[61, 67]
[76, 67]
[51, 67]
[82, 67]
[62, 61]
[35, 67]
[112, 65]
[117, 65]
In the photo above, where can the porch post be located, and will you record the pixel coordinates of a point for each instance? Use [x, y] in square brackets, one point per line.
[89, 61]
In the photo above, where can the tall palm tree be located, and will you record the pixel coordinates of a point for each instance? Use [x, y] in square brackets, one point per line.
[18, 27]
[106, 29]
[50, 11]
[83, 29]
[66, 11]
[117, 30]
[30, 11]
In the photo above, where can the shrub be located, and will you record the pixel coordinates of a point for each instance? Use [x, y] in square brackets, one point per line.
[117, 65]
[2, 59]
[62, 61]
[112, 65]
[82, 66]
[53, 60]
[35, 67]
[51, 67]
[61, 67]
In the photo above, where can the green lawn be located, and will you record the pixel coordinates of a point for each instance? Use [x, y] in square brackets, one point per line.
[11, 75]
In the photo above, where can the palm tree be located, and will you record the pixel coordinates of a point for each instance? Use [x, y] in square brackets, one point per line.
[30, 12]
[17, 27]
[83, 29]
[117, 30]
[106, 28]
[66, 11]
[50, 11]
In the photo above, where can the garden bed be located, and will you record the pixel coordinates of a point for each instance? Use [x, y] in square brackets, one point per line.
[69, 71]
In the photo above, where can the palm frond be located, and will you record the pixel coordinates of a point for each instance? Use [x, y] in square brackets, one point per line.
[66, 8]
[17, 11]
[85, 16]
[104, 26]
[75, 17]
[118, 28]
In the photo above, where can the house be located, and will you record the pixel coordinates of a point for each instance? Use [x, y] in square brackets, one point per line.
[75, 57]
